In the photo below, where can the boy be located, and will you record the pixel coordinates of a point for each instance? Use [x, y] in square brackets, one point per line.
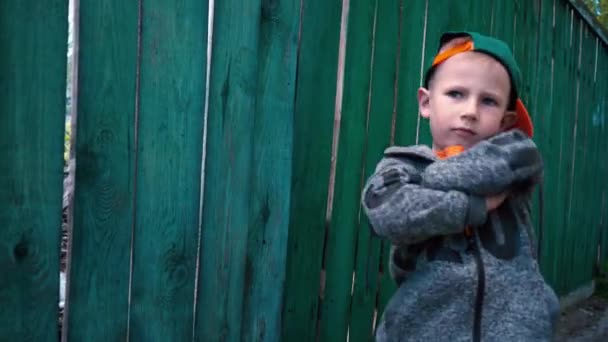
[458, 215]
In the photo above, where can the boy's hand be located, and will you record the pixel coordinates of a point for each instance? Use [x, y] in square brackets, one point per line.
[493, 202]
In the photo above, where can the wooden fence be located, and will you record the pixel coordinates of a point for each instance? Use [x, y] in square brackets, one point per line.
[217, 199]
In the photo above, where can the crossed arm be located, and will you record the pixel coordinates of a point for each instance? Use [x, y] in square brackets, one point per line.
[407, 206]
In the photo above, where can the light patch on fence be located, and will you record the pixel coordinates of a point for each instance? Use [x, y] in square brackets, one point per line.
[396, 82]
[597, 42]
[203, 159]
[337, 108]
[492, 18]
[571, 26]
[73, 38]
[140, 11]
[426, 17]
[576, 112]
[514, 32]
[554, 5]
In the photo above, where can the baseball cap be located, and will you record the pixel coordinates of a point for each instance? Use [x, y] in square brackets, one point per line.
[453, 43]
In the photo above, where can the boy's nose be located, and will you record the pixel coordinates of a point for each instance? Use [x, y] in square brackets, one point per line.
[469, 112]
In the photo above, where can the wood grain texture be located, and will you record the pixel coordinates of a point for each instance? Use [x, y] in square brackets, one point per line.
[603, 114]
[562, 89]
[542, 104]
[341, 234]
[410, 74]
[103, 210]
[313, 122]
[368, 262]
[33, 38]
[228, 170]
[271, 171]
[169, 152]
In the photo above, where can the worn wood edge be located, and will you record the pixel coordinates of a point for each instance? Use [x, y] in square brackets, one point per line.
[600, 31]
[71, 163]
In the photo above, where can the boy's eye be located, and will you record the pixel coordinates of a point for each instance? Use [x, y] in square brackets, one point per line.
[489, 101]
[455, 94]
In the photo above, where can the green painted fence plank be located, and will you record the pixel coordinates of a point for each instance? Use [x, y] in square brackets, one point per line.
[103, 209]
[562, 90]
[169, 150]
[554, 184]
[407, 120]
[578, 164]
[370, 257]
[597, 171]
[525, 32]
[271, 170]
[314, 116]
[569, 145]
[503, 21]
[33, 38]
[585, 195]
[603, 115]
[341, 245]
[372, 268]
[409, 73]
[542, 105]
[228, 174]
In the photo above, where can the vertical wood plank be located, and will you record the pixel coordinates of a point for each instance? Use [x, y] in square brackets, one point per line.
[33, 38]
[103, 211]
[411, 70]
[370, 259]
[314, 115]
[228, 170]
[583, 196]
[569, 146]
[603, 110]
[341, 242]
[271, 172]
[410, 74]
[169, 150]
[560, 82]
[546, 139]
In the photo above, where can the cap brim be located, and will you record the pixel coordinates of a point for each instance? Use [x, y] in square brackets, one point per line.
[524, 122]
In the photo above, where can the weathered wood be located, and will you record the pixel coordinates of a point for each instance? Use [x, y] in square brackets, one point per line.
[584, 247]
[228, 171]
[370, 260]
[562, 88]
[103, 199]
[33, 38]
[314, 115]
[270, 172]
[411, 69]
[342, 231]
[542, 108]
[169, 151]
[570, 103]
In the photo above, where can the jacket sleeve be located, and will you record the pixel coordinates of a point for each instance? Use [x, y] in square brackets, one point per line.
[507, 160]
[403, 211]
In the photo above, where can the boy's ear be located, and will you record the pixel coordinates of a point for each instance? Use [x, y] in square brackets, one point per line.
[508, 120]
[424, 100]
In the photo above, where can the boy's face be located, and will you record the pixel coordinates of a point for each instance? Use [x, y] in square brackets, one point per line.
[467, 100]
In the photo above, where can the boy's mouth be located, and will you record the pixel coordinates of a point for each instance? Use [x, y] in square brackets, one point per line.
[463, 132]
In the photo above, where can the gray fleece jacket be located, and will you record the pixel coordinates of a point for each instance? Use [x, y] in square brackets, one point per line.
[422, 205]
